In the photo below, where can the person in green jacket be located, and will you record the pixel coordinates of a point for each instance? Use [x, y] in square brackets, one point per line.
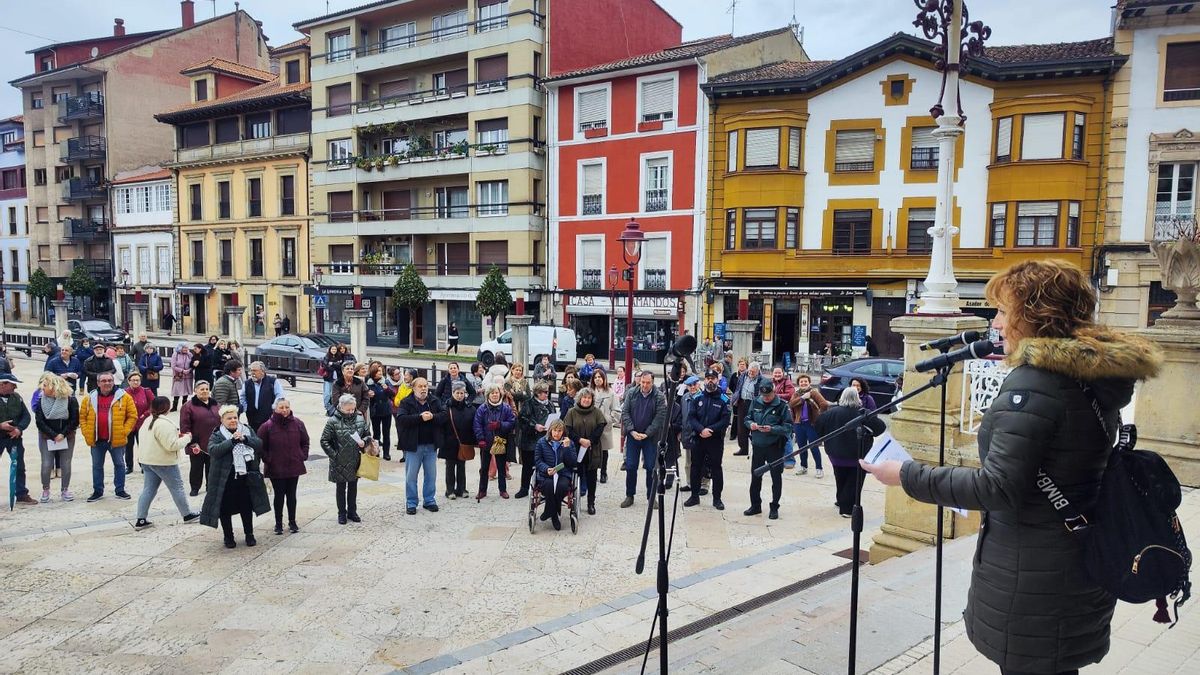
[770, 425]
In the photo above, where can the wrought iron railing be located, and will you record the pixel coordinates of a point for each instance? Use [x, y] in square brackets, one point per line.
[84, 147]
[656, 279]
[84, 229]
[591, 278]
[90, 104]
[593, 205]
[656, 200]
[1171, 227]
[83, 188]
[981, 385]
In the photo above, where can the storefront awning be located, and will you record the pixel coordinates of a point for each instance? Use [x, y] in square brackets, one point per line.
[194, 288]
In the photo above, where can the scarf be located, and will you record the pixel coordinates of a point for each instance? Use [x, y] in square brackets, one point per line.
[242, 453]
[55, 408]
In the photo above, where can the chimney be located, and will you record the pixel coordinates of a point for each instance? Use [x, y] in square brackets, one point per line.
[118, 27]
[187, 10]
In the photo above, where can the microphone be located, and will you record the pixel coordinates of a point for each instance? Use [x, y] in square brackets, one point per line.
[975, 350]
[963, 338]
[681, 350]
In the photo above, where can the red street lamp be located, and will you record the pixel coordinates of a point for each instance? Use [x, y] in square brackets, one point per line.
[612, 316]
[631, 249]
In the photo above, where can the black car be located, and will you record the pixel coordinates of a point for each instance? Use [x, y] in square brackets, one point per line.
[304, 345]
[96, 330]
[879, 374]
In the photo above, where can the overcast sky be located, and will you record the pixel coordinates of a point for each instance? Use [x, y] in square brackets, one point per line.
[832, 28]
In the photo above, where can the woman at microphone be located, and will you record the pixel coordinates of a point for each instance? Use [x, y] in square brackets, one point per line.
[1031, 607]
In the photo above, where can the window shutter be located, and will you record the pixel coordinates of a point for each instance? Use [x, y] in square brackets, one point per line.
[732, 151]
[492, 68]
[593, 179]
[484, 126]
[593, 109]
[1004, 137]
[1042, 137]
[1030, 209]
[658, 99]
[338, 99]
[227, 129]
[654, 253]
[339, 202]
[1072, 209]
[922, 137]
[921, 215]
[395, 88]
[855, 146]
[589, 254]
[793, 148]
[999, 210]
[762, 147]
[456, 80]
[493, 252]
[1182, 68]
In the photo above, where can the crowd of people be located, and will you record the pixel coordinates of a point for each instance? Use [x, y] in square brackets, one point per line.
[237, 429]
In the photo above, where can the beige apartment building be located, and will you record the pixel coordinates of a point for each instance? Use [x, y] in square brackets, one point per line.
[89, 114]
[427, 149]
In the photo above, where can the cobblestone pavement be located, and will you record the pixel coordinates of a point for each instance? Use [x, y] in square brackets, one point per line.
[81, 591]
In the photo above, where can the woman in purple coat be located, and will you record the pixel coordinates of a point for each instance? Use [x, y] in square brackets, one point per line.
[494, 419]
[284, 451]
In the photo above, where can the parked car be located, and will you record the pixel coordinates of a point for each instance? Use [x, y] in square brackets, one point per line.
[96, 330]
[879, 374]
[540, 340]
[302, 345]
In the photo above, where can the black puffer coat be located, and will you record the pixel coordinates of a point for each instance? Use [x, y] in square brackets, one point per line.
[1031, 607]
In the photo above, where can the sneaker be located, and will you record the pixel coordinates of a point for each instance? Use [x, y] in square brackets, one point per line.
[191, 517]
[628, 502]
[801, 471]
[68, 496]
[95, 497]
[293, 528]
[123, 495]
[820, 473]
[694, 500]
[45, 496]
[142, 524]
[453, 495]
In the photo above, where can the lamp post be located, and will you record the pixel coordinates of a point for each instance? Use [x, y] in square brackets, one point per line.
[318, 315]
[944, 20]
[631, 249]
[123, 306]
[612, 317]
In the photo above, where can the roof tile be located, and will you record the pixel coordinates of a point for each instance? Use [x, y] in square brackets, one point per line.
[229, 67]
[265, 90]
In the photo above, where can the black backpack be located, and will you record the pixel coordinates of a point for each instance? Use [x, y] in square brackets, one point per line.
[1133, 542]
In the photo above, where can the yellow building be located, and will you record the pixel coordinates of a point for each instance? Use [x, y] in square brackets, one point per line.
[241, 166]
[823, 178]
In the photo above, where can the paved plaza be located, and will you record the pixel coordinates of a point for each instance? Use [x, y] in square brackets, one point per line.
[81, 591]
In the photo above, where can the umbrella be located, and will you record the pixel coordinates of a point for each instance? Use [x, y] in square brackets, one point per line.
[12, 480]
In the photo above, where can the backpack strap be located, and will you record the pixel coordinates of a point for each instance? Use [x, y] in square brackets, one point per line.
[1073, 519]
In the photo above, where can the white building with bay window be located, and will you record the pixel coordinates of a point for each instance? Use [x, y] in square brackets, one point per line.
[143, 204]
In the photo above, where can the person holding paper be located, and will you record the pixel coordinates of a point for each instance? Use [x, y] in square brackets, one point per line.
[67, 366]
[555, 458]
[345, 437]
[585, 428]
[1032, 607]
[846, 449]
[769, 422]
[57, 419]
[531, 423]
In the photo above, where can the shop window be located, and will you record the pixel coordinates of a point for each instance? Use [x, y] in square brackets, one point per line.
[852, 232]
[1037, 224]
[919, 222]
[758, 228]
[1181, 73]
[754, 313]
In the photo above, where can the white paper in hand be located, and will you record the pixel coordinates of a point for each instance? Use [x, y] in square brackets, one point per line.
[356, 437]
[885, 448]
[53, 445]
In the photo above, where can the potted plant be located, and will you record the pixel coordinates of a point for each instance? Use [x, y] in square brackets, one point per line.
[379, 163]
[1177, 245]
[363, 163]
[486, 150]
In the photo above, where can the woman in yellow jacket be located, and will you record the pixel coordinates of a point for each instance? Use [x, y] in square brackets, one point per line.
[106, 417]
[161, 444]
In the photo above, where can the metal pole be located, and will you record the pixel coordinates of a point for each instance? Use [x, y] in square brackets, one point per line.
[612, 328]
[629, 330]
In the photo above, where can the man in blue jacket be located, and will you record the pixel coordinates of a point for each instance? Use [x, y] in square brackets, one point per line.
[708, 416]
[67, 366]
[770, 423]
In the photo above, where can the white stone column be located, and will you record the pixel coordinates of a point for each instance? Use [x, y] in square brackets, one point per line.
[358, 331]
[235, 314]
[741, 333]
[520, 338]
[60, 316]
[140, 318]
[1165, 412]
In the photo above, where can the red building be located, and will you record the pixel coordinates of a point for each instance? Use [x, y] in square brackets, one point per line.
[628, 141]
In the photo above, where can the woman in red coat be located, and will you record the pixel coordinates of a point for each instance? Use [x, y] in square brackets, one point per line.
[284, 451]
[199, 418]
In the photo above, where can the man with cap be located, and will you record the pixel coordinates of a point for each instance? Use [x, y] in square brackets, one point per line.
[770, 425]
[708, 416]
[687, 437]
[97, 365]
[14, 418]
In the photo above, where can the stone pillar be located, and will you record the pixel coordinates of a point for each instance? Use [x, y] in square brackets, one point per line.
[520, 339]
[358, 331]
[60, 316]
[141, 313]
[908, 524]
[1165, 412]
[235, 314]
[741, 333]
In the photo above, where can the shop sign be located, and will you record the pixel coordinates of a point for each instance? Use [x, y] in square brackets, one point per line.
[976, 303]
[719, 331]
[658, 304]
[858, 336]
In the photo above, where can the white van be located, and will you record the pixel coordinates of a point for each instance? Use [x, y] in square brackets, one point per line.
[540, 339]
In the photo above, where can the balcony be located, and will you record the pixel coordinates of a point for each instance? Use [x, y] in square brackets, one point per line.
[87, 106]
[656, 200]
[1174, 226]
[591, 278]
[459, 218]
[655, 280]
[83, 189]
[84, 148]
[435, 275]
[460, 158]
[593, 205]
[84, 229]
[431, 104]
[251, 147]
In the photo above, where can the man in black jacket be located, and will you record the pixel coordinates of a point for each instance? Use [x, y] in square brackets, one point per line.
[770, 425]
[260, 393]
[97, 365]
[419, 435]
[643, 416]
[708, 415]
[14, 418]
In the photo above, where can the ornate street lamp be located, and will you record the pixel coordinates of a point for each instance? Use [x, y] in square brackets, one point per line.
[939, 20]
[612, 317]
[631, 249]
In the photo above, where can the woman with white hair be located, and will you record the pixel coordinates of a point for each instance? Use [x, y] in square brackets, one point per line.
[284, 451]
[235, 483]
[845, 449]
[345, 438]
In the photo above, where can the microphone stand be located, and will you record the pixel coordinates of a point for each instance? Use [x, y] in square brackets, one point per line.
[940, 376]
[664, 479]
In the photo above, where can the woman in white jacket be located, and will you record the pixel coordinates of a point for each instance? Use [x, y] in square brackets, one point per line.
[161, 444]
[606, 402]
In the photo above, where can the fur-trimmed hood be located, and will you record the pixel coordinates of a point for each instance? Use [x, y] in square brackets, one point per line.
[1108, 360]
